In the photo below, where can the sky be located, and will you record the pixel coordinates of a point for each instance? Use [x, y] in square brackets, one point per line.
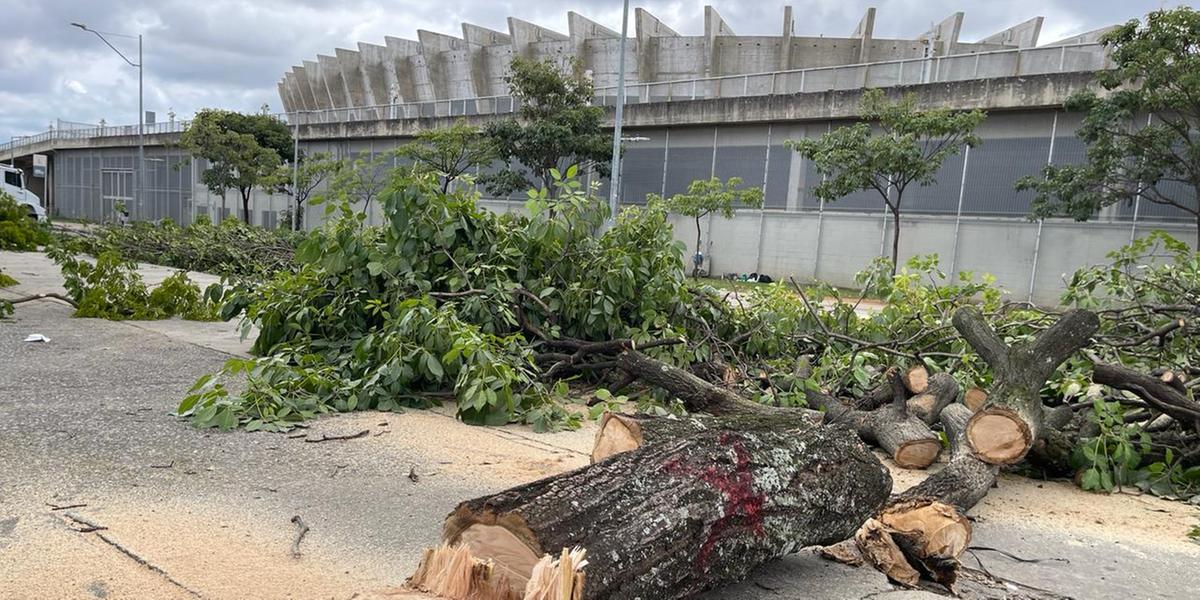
[227, 54]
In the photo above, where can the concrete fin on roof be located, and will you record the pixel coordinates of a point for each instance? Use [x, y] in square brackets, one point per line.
[402, 46]
[524, 32]
[648, 25]
[1021, 35]
[866, 25]
[482, 36]
[714, 25]
[583, 28]
[1087, 37]
[432, 41]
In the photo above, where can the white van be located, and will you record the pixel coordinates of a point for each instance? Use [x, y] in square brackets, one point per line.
[14, 185]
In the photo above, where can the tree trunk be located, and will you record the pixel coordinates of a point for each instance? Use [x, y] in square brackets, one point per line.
[620, 433]
[1005, 427]
[672, 519]
[696, 265]
[895, 238]
[965, 480]
[1158, 392]
[941, 390]
[246, 205]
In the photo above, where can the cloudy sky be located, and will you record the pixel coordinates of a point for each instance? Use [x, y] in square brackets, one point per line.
[229, 54]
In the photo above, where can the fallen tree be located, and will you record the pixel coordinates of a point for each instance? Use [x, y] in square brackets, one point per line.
[670, 519]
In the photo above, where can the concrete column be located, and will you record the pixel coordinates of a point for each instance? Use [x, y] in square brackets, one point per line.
[524, 34]
[409, 70]
[353, 82]
[864, 33]
[307, 101]
[1022, 35]
[320, 91]
[374, 69]
[331, 74]
[944, 35]
[714, 27]
[785, 46]
[490, 53]
[647, 28]
[285, 95]
[448, 60]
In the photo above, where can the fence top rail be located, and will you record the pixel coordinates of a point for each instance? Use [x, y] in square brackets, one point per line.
[323, 115]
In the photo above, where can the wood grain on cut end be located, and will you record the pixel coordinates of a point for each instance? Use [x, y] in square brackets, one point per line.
[917, 454]
[916, 379]
[454, 573]
[974, 398]
[999, 436]
[616, 435]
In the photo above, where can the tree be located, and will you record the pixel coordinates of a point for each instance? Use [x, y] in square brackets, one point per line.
[243, 151]
[360, 180]
[909, 147]
[556, 126]
[307, 177]
[450, 152]
[707, 196]
[1141, 136]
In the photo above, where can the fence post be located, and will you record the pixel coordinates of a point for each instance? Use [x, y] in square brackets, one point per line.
[802, 73]
[962, 188]
[763, 209]
[666, 161]
[745, 85]
[1062, 59]
[975, 75]
[900, 74]
[712, 172]
[1037, 244]
[773, 73]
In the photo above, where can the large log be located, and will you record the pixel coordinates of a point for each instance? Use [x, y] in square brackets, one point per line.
[621, 433]
[965, 480]
[671, 519]
[1008, 423]
[940, 391]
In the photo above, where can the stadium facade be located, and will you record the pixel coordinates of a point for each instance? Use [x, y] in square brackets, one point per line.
[718, 104]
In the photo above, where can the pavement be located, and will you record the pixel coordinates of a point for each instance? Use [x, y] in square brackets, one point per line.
[105, 494]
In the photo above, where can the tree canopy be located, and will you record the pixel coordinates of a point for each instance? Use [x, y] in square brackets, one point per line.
[450, 152]
[556, 127]
[1141, 133]
[896, 145]
[709, 196]
[243, 151]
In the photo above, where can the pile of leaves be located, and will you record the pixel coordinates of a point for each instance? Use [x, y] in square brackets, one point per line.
[112, 289]
[17, 231]
[230, 248]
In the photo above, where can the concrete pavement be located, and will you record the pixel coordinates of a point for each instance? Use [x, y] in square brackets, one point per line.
[85, 420]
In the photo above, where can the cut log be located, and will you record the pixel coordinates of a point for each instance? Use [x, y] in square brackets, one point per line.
[965, 480]
[621, 433]
[916, 379]
[974, 398]
[671, 519]
[1004, 428]
[907, 439]
[1158, 393]
[940, 392]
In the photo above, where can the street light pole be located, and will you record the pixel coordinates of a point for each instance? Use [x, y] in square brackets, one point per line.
[141, 166]
[614, 187]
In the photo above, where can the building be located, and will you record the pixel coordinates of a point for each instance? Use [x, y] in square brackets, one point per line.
[717, 104]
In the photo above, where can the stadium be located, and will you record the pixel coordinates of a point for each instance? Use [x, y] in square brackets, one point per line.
[719, 104]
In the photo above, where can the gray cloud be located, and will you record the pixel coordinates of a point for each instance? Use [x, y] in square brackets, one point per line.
[230, 53]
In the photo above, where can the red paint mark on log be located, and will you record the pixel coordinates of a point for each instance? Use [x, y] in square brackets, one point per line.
[743, 505]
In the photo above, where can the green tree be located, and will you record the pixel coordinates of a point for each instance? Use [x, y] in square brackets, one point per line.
[450, 152]
[360, 180]
[1141, 136]
[556, 126]
[309, 175]
[708, 196]
[895, 146]
[243, 151]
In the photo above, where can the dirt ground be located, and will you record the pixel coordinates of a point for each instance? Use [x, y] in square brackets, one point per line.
[168, 511]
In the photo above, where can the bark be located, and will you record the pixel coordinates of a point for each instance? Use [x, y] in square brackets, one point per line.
[1005, 427]
[940, 392]
[916, 381]
[696, 394]
[1162, 395]
[621, 433]
[906, 438]
[672, 519]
